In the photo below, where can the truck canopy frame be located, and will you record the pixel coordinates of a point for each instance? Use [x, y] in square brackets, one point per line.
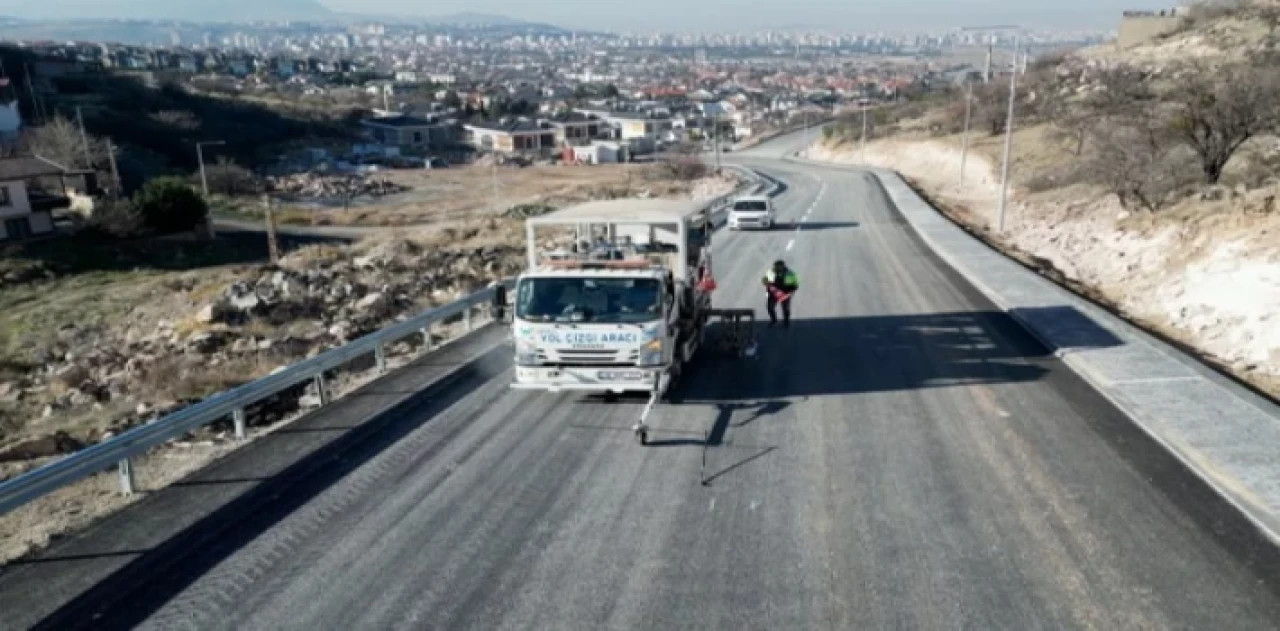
[655, 221]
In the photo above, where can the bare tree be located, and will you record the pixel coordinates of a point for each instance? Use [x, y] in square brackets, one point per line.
[1120, 94]
[228, 178]
[1073, 125]
[684, 162]
[59, 140]
[1217, 110]
[1141, 162]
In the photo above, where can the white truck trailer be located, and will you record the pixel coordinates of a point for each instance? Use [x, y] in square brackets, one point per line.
[622, 309]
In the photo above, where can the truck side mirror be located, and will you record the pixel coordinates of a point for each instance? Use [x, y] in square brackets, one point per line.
[499, 305]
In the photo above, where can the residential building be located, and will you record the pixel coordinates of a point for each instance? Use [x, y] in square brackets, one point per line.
[513, 135]
[632, 125]
[577, 128]
[26, 211]
[409, 131]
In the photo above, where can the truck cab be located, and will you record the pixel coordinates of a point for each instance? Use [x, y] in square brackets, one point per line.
[612, 301]
[600, 328]
[754, 211]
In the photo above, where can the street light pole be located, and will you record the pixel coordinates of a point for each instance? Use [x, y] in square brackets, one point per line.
[805, 116]
[84, 140]
[204, 180]
[968, 109]
[1008, 135]
[864, 134]
[715, 122]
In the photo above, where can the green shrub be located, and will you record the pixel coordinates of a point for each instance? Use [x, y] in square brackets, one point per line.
[169, 204]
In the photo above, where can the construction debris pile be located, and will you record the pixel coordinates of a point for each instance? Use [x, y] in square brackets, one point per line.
[314, 185]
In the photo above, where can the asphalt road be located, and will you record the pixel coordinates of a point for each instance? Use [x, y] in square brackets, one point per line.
[903, 457]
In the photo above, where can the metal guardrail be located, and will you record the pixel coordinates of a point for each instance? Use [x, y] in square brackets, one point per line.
[121, 450]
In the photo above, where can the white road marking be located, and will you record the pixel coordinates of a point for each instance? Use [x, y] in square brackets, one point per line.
[1123, 382]
[791, 244]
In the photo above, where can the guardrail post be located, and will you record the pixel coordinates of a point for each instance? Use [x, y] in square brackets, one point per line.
[466, 320]
[380, 356]
[237, 419]
[322, 389]
[127, 482]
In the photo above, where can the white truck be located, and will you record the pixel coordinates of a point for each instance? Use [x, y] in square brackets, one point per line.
[622, 309]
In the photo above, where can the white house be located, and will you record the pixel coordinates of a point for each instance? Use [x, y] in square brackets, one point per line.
[18, 218]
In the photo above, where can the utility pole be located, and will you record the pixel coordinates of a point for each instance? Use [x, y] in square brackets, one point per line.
[715, 122]
[31, 90]
[204, 180]
[1008, 126]
[968, 109]
[115, 171]
[494, 174]
[864, 134]
[804, 114]
[84, 138]
[273, 247]
[1008, 134]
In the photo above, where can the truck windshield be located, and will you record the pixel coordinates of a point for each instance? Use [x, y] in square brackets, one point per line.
[589, 299]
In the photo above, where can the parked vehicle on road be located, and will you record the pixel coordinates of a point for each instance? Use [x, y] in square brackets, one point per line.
[754, 211]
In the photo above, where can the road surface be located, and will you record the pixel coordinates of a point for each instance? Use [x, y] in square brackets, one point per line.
[903, 457]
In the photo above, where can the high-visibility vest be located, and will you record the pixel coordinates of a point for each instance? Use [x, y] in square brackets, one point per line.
[790, 279]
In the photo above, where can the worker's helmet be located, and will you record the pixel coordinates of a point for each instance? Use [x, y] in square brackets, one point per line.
[779, 265]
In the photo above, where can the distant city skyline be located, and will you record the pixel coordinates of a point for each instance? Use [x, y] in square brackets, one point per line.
[845, 15]
[654, 15]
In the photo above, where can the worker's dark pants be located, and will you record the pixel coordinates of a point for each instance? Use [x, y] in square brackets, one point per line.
[786, 310]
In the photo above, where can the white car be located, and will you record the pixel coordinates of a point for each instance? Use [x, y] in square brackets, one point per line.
[755, 211]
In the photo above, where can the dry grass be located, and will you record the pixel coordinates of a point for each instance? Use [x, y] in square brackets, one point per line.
[465, 192]
[183, 377]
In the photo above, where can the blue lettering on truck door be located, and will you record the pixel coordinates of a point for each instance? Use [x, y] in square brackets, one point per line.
[612, 337]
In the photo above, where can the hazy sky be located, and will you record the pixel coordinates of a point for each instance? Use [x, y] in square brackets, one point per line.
[731, 14]
[616, 15]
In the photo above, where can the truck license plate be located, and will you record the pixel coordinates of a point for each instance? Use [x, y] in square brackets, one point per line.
[620, 375]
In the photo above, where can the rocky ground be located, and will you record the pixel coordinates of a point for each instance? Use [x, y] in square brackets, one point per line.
[1204, 272]
[264, 317]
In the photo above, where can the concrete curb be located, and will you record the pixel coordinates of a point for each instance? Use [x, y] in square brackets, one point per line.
[1225, 434]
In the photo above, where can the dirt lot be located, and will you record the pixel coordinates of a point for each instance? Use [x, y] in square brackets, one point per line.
[464, 192]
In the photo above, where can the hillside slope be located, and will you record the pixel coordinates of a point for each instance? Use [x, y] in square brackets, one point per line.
[1111, 192]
